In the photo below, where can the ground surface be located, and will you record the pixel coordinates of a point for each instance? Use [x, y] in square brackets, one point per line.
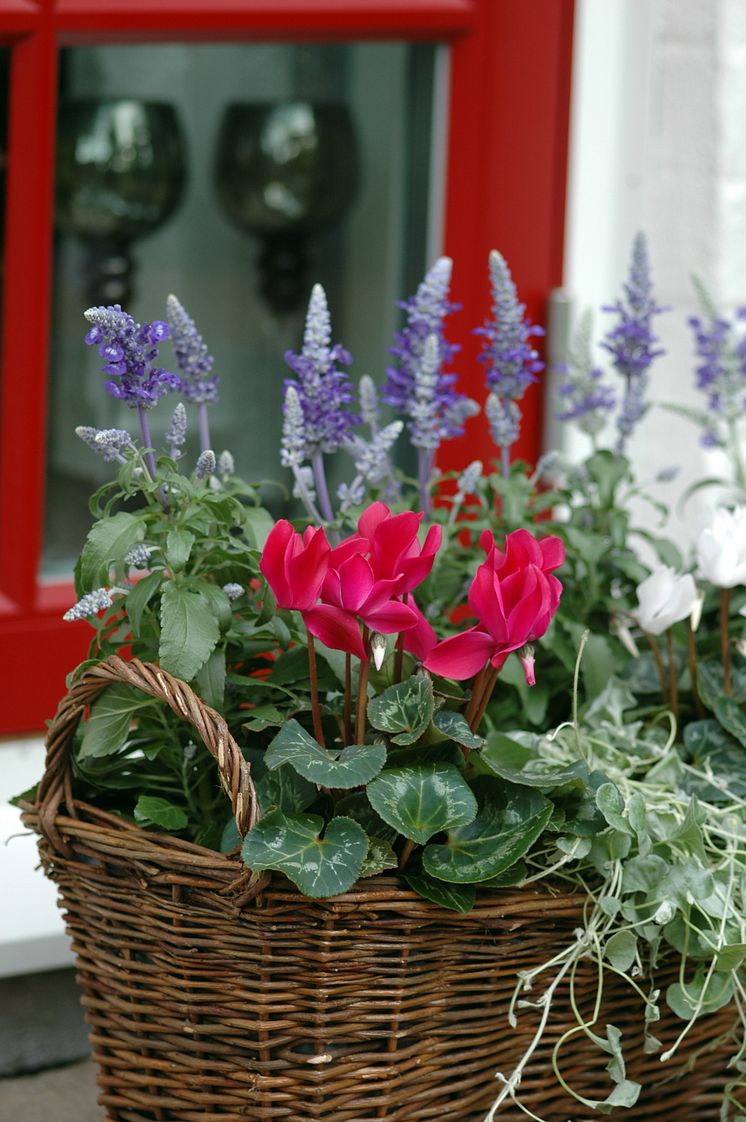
[65, 1094]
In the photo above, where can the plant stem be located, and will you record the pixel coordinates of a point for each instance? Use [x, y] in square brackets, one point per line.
[348, 699]
[204, 427]
[406, 852]
[399, 658]
[322, 490]
[691, 654]
[305, 498]
[674, 689]
[505, 461]
[362, 691]
[725, 594]
[318, 731]
[650, 639]
[735, 452]
[147, 440]
[485, 699]
[424, 471]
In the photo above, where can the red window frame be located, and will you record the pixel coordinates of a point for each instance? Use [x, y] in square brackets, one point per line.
[505, 187]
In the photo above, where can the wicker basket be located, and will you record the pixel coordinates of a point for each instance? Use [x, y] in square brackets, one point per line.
[213, 996]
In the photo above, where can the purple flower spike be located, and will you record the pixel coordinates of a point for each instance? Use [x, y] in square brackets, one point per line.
[426, 315]
[585, 397]
[632, 342]
[192, 356]
[129, 350]
[512, 362]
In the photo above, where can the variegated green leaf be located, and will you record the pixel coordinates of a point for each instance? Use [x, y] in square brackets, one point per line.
[380, 857]
[456, 727]
[404, 710]
[422, 801]
[292, 844]
[455, 897]
[353, 766]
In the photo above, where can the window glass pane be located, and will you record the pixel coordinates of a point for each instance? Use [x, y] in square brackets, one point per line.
[234, 177]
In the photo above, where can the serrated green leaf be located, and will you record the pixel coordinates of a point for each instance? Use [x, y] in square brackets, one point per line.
[178, 547]
[404, 710]
[422, 801]
[107, 542]
[210, 680]
[380, 857]
[189, 631]
[455, 727]
[509, 821]
[263, 717]
[153, 811]
[108, 725]
[455, 897]
[353, 766]
[140, 596]
[216, 600]
[292, 844]
[258, 523]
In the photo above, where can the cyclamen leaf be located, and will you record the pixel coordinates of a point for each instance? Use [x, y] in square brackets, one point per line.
[455, 897]
[286, 790]
[404, 710]
[357, 806]
[108, 725]
[294, 846]
[189, 631]
[153, 811]
[380, 857]
[353, 766]
[107, 542]
[730, 715]
[422, 801]
[455, 727]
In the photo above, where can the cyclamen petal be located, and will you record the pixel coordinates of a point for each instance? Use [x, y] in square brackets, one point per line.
[420, 639]
[336, 628]
[461, 656]
[390, 618]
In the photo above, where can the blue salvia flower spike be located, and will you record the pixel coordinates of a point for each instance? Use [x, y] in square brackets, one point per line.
[584, 395]
[198, 384]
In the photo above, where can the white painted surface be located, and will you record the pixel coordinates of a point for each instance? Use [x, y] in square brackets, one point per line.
[32, 935]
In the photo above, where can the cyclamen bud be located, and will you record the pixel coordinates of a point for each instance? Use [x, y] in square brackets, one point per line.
[377, 649]
[206, 464]
[526, 655]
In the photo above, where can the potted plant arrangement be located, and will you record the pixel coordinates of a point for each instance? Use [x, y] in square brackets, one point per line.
[431, 801]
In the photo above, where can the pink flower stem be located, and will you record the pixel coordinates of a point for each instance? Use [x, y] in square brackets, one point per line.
[692, 662]
[348, 699]
[485, 699]
[477, 687]
[399, 658]
[405, 853]
[318, 731]
[362, 692]
[650, 639]
[674, 689]
[725, 594]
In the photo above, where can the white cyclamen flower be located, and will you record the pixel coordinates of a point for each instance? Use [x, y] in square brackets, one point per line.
[664, 598]
[721, 549]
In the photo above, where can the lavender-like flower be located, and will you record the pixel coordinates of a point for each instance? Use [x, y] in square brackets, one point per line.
[130, 350]
[512, 362]
[372, 464]
[226, 465]
[109, 443]
[195, 362]
[206, 464]
[233, 590]
[632, 342]
[138, 556]
[324, 394]
[586, 398]
[466, 484]
[90, 604]
[176, 431]
[370, 411]
[293, 450]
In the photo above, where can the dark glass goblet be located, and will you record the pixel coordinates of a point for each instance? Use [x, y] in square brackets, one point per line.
[284, 172]
[121, 171]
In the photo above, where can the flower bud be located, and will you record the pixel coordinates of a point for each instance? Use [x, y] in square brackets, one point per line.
[377, 649]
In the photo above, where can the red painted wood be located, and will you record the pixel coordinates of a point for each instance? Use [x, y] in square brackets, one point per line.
[505, 187]
[267, 19]
[26, 306]
[507, 165]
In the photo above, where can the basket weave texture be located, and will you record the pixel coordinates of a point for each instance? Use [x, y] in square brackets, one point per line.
[215, 996]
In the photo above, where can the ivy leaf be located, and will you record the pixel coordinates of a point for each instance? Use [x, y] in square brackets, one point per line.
[404, 710]
[140, 596]
[210, 679]
[108, 725]
[380, 857]
[713, 994]
[107, 542]
[621, 950]
[455, 727]
[189, 631]
[422, 801]
[353, 766]
[455, 897]
[293, 845]
[178, 547]
[153, 811]
[509, 821]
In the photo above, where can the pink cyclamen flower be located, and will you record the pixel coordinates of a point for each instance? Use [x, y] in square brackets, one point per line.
[350, 594]
[295, 566]
[395, 549]
[514, 596]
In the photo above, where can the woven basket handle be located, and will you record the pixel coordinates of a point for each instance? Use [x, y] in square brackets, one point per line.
[56, 785]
